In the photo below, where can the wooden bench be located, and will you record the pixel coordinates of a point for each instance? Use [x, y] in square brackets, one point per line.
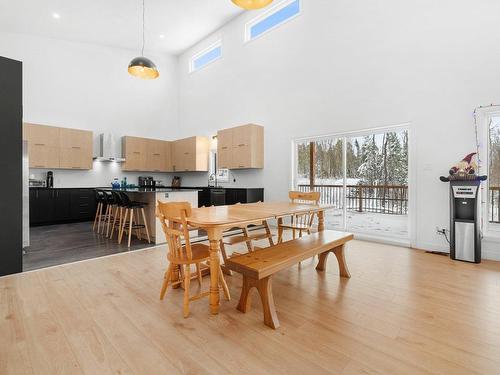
[260, 265]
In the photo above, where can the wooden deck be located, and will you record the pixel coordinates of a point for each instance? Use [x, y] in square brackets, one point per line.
[402, 312]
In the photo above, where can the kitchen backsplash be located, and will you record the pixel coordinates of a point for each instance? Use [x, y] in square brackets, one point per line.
[104, 172]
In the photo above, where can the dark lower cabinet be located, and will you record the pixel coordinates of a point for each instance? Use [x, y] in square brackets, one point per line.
[62, 208]
[226, 196]
[52, 206]
[82, 204]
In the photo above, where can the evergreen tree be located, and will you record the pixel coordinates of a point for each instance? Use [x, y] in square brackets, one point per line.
[369, 170]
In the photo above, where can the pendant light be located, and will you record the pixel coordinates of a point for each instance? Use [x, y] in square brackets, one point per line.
[141, 66]
[252, 4]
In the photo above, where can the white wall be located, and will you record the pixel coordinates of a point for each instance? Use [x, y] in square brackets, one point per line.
[86, 86]
[350, 65]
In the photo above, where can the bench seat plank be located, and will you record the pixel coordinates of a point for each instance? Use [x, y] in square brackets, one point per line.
[265, 262]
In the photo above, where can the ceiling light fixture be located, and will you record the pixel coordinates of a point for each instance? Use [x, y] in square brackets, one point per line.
[162, 36]
[141, 66]
[56, 16]
[252, 4]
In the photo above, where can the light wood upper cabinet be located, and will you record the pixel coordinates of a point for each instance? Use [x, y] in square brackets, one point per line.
[75, 149]
[146, 155]
[241, 147]
[225, 149]
[158, 156]
[190, 154]
[54, 147]
[134, 150]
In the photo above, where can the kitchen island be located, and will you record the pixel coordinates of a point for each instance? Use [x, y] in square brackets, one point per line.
[151, 196]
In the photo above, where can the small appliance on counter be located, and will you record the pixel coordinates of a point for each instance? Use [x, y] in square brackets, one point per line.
[176, 182]
[33, 182]
[50, 179]
[115, 184]
[146, 182]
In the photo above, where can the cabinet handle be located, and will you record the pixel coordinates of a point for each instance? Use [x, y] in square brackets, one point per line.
[241, 144]
[39, 144]
[241, 166]
[76, 147]
[75, 167]
[224, 147]
[186, 153]
[157, 154]
[39, 166]
[136, 152]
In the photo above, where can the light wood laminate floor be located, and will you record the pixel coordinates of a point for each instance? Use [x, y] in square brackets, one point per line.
[402, 312]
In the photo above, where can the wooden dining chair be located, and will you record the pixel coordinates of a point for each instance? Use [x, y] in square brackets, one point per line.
[263, 232]
[182, 254]
[299, 223]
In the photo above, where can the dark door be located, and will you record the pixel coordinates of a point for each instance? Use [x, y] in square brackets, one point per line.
[11, 204]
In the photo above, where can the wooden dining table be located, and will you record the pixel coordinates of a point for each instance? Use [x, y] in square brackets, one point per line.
[216, 220]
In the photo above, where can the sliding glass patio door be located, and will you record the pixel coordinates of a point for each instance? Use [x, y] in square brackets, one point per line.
[363, 175]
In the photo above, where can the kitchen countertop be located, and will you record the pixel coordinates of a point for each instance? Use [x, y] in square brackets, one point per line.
[149, 190]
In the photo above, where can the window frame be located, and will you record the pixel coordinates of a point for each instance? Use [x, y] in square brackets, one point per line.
[483, 118]
[270, 11]
[210, 48]
[411, 239]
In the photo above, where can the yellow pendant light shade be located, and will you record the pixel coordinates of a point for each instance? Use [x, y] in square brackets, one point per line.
[141, 66]
[252, 4]
[144, 68]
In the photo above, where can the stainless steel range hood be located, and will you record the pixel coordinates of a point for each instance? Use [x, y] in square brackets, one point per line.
[108, 149]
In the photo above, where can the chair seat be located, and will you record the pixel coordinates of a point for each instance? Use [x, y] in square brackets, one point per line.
[200, 253]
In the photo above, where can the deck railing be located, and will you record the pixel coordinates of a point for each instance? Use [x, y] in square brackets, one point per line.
[494, 214]
[390, 199]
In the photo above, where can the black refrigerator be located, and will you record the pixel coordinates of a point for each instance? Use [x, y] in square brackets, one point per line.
[11, 185]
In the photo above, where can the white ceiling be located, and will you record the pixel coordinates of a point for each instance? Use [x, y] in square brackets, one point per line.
[117, 22]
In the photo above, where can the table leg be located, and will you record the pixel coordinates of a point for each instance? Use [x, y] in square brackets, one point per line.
[214, 236]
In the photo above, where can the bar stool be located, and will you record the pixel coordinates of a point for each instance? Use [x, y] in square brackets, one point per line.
[133, 207]
[101, 204]
[118, 214]
[108, 216]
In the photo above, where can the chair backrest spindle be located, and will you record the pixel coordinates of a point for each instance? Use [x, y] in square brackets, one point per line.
[172, 216]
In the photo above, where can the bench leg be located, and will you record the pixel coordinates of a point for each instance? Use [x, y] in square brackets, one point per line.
[339, 253]
[322, 261]
[244, 303]
[266, 296]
